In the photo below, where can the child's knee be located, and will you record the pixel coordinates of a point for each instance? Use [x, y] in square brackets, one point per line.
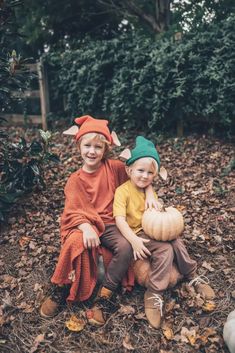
[167, 249]
[124, 249]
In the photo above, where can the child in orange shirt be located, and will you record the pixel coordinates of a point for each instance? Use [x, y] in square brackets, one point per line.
[87, 222]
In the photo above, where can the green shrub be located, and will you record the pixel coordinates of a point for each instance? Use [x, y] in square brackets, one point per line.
[21, 168]
[141, 83]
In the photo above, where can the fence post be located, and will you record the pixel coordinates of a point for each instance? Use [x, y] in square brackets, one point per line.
[44, 93]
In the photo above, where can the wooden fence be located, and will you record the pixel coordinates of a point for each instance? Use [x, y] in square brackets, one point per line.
[42, 94]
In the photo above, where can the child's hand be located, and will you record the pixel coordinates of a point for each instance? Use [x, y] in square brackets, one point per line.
[139, 249]
[153, 203]
[90, 237]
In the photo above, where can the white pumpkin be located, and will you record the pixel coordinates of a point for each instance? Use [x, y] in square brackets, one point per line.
[229, 332]
[164, 225]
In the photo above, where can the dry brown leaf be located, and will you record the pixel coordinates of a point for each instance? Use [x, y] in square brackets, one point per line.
[188, 336]
[209, 331]
[24, 240]
[140, 316]
[126, 310]
[37, 341]
[167, 332]
[75, 324]
[180, 207]
[170, 306]
[127, 343]
[208, 266]
[209, 306]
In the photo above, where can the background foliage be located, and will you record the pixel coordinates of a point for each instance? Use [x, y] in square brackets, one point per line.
[121, 59]
[22, 163]
[141, 83]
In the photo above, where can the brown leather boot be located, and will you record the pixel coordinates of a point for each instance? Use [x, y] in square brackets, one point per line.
[201, 285]
[102, 306]
[153, 304]
[57, 297]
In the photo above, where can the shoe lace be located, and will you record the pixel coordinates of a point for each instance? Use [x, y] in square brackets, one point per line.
[199, 280]
[157, 301]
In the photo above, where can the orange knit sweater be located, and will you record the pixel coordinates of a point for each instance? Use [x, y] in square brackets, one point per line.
[76, 265]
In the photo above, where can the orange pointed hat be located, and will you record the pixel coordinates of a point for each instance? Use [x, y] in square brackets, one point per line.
[88, 124]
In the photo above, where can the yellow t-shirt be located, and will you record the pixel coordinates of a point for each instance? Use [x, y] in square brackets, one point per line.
[129, 202]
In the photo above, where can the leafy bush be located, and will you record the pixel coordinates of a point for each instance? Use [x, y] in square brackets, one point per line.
[21, 168]
[141, 83]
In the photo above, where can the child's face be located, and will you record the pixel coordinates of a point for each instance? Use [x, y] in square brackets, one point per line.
[92, 152]
[142, 173]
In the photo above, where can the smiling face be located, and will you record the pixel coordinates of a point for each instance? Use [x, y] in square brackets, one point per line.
[92, 151]
[142, 172]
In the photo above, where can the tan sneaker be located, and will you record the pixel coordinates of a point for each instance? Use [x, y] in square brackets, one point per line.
[201, 285]
[57, 297]
[103, 305]
[153, 304]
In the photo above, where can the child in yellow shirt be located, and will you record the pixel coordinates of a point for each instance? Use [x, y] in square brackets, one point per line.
[142, 165]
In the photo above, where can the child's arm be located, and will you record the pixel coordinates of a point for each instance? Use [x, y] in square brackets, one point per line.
[90, 237]
[137, 243]
[151, 200]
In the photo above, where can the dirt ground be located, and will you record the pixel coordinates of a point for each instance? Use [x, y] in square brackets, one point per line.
[200, 184]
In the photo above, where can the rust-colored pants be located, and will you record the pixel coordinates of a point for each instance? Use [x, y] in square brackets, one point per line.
[161, 260]
[122, 252]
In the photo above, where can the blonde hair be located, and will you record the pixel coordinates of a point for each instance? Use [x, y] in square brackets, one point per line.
[96, 137]
[154, 165]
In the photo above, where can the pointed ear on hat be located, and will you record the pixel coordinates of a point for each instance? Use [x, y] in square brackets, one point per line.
[72, 131]
[116, 141]
[126, 154]
[82, 119]
[163, 173]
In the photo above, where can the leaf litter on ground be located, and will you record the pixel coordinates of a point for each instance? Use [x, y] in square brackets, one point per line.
[198, 186]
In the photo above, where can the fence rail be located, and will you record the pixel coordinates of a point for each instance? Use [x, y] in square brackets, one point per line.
[42, 93]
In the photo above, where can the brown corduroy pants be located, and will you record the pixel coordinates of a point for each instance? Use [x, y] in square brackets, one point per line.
[122, 252]
[161, 260]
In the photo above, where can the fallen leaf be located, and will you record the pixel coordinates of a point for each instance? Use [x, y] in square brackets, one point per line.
[188, 336]
[170, 306]
[140, 316]
[127, 343]
[208, 266]
[24, 240]
[75, 324]
[180, 208]
[37, 341]
[167, 332]
[126, 310]
[209, 306]
[209, 331]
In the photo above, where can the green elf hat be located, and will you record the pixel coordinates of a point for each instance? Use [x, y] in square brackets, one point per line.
[143, 148]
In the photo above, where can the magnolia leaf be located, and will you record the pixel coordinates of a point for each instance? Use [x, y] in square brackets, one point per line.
[46, 135]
